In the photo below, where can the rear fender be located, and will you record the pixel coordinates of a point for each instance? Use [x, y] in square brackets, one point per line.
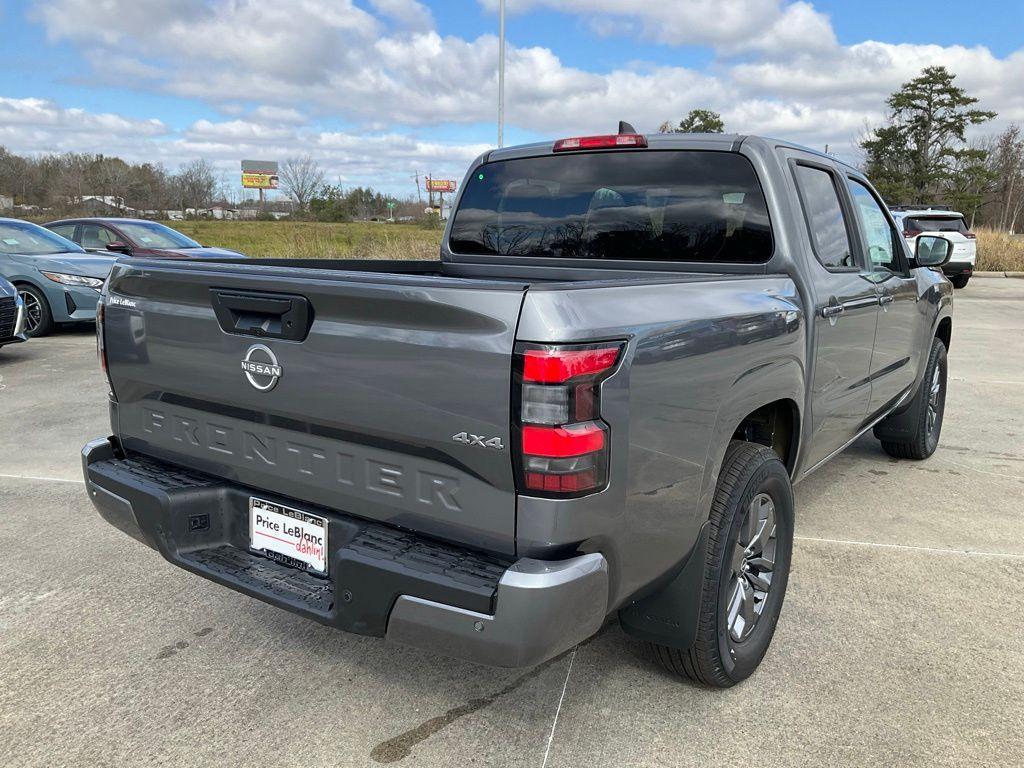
[669, 615]
[758, 387]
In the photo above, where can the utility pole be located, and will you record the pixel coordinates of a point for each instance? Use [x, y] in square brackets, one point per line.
[419, 195]
[501, 73]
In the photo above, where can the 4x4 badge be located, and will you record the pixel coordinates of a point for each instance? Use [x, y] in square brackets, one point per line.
[479, 441]
[261, 367]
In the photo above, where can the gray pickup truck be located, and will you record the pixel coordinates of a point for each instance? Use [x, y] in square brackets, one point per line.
[595, 402]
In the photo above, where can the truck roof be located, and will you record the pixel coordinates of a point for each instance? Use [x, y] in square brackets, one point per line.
[900, 212]
[729, 142]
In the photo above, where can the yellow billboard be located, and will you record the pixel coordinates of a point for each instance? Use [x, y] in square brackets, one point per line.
[259, 180]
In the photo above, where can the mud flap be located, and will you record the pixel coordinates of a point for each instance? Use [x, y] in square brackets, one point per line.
[670, 615]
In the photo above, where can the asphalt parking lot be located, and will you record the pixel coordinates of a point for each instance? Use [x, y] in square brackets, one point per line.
[900, 642]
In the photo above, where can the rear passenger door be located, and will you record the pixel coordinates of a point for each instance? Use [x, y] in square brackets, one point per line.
[845, 311]
[897, 340]
[66, 231]
[95, 237]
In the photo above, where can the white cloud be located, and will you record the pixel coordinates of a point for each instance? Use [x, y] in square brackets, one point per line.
[406, 13]
[861, 76]
[236, 130]
[41, 124]
[274, 71]
[268, 113]
[385, 160]
[731, 25]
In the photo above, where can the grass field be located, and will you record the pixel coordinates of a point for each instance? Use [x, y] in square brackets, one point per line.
[316, 240]
[366, 240]
[999, 251]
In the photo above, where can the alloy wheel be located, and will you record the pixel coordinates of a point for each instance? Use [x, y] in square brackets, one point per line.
[33, 311]
[934, 396]
[753, 563]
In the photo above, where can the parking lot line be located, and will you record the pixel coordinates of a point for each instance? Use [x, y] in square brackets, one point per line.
[41, 478]
[912, 547]
[558, 710]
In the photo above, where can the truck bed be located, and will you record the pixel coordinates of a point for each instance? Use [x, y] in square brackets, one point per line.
[524, 276]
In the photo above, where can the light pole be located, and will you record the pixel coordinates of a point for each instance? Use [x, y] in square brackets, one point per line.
[501, 73]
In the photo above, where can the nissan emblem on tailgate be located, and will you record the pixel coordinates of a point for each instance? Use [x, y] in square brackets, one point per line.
[261, 367]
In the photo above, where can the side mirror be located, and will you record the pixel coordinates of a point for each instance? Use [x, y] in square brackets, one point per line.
[119, 246]
[932, 251]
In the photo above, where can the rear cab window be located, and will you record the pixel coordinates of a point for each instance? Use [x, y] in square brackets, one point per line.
[918, 224]
[643, 205]
[823, 212]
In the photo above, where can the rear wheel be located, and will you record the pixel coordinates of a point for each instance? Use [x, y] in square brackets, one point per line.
[914, 433]
[960, 281]
[746, 569]
[38, 318]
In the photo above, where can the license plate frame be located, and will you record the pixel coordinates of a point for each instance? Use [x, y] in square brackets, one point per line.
[288, 535]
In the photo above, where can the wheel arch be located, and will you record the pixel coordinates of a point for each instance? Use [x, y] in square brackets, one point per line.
[763, 404]
[944, 331]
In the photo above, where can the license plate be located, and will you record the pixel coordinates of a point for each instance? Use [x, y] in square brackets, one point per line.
[288, 535]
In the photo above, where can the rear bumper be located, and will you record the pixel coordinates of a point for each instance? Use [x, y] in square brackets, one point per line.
[958, 268]
[382, 581]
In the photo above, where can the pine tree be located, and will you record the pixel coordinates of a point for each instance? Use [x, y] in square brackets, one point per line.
[920, 152]
[697, 121]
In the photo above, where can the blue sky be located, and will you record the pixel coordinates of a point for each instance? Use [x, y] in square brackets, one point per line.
[378, 89]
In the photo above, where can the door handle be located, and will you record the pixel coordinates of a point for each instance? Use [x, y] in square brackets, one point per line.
[886, 299]
[832, 310]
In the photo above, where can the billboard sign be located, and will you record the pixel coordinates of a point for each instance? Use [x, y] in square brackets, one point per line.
[440, 185]
[259, 174]
[259, 181]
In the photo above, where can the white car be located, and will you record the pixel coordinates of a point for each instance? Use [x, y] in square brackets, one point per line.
[944, 223]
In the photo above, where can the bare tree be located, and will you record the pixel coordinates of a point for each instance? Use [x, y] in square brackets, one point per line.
[1007, 159]
[113, 176]
[196, 183]
[301, 177]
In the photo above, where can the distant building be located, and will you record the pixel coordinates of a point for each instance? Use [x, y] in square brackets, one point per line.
[6, 202]
[101, 205]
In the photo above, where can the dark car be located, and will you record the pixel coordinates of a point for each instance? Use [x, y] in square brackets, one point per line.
[12, 315]
[135, 237]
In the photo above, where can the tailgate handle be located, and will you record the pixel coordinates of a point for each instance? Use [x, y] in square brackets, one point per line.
[263, 315]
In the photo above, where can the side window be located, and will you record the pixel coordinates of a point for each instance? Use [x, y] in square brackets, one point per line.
[95, 236]
[64, 230]
[880, 238]
[825, 219]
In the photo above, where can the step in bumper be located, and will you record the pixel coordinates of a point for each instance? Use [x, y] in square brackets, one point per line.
[381, 580]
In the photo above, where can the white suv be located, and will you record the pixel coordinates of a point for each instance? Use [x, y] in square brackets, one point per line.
[944, 223]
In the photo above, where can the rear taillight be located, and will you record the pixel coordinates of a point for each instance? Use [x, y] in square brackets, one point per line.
[970, 235]
[611, 141]
[563, 445]
[101, 346]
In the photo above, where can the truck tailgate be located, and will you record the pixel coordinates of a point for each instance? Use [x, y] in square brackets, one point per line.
[359, 414]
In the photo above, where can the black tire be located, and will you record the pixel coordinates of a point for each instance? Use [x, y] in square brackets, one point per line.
[960, 281]
[914, 433]
[750, 471]
[44, 324]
